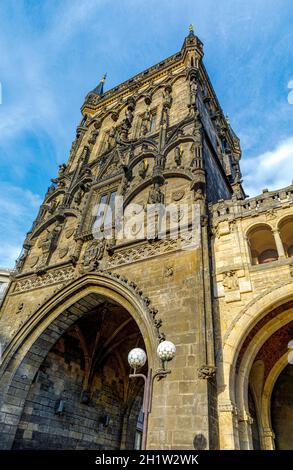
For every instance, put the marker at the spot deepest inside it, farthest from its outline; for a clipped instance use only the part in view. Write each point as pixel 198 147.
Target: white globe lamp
pixel 166 351
pixel 137 358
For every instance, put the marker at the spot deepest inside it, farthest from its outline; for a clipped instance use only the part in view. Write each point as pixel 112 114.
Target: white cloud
pixel 8 254
pixel 272 169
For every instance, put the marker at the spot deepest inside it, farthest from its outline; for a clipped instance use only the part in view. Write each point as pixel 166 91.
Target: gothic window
pixel 286 233
pixel 104 217
pixel 262 244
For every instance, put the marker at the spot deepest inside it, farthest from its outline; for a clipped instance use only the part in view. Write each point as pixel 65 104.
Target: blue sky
pixel 53 52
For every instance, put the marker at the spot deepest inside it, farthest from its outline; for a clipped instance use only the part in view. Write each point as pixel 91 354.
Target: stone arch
pixel 285 229
pixel 31 344
pixel 261 243
pixel 267 433
pixel 233 341
pixel 174 142
pixel 243 374
pixel 282 409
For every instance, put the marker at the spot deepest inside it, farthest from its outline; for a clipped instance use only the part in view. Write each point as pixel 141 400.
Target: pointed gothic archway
pixel 60 337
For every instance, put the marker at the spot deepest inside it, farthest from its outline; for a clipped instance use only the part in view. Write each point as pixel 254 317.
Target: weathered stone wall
pixel 80 426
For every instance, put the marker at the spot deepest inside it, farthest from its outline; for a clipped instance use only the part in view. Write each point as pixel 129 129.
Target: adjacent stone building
pixel 92 283
pixel 4 281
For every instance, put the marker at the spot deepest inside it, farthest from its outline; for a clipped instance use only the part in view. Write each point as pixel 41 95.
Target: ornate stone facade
pixel 81 295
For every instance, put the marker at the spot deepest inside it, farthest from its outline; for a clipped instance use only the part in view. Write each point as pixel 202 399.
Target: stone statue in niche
pixel 49 242
pixel 193 91
pixel 230 280
pixel 129 115
pixel 52 206
pixel 167 98
pixel 199 196
pixel 178 156
pixel 156 196
pixel 78 196
pixel 111 138
pixel 143 168
pixel 145 123
pixel 93 137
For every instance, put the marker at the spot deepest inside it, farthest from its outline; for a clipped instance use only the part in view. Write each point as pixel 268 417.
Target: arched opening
pixel 81 396
pixel 282 409
pixel 72 326
pixel 262 245
pixel 286 234
pixel 259 360
pixel 250 329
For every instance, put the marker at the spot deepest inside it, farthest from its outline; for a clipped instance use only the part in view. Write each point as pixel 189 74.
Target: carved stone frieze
pixel 145 250
pixel 56 276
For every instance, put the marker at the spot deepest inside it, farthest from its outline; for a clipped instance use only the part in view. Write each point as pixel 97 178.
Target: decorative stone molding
pixel 52 277
pixel 206 372
pixel 142 251
pixel 245 417
pixel 268 433
pixel 266 203
pixel 228 407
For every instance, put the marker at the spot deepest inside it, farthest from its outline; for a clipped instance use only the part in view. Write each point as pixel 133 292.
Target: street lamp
pixel 137 359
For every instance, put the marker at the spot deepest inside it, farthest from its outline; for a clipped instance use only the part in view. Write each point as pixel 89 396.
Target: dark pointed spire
pixel 191 40
pixel 99 90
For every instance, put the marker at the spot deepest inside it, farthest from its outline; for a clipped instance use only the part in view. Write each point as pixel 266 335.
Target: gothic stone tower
pixel 77 302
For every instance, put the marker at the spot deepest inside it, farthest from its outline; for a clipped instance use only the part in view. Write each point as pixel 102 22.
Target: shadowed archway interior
pixel 81 397
pixel 282 409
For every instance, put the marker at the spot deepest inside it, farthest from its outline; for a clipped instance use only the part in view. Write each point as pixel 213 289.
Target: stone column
pixel 279 244
pixel 228 426
pixel 268 439
pixel 245 431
